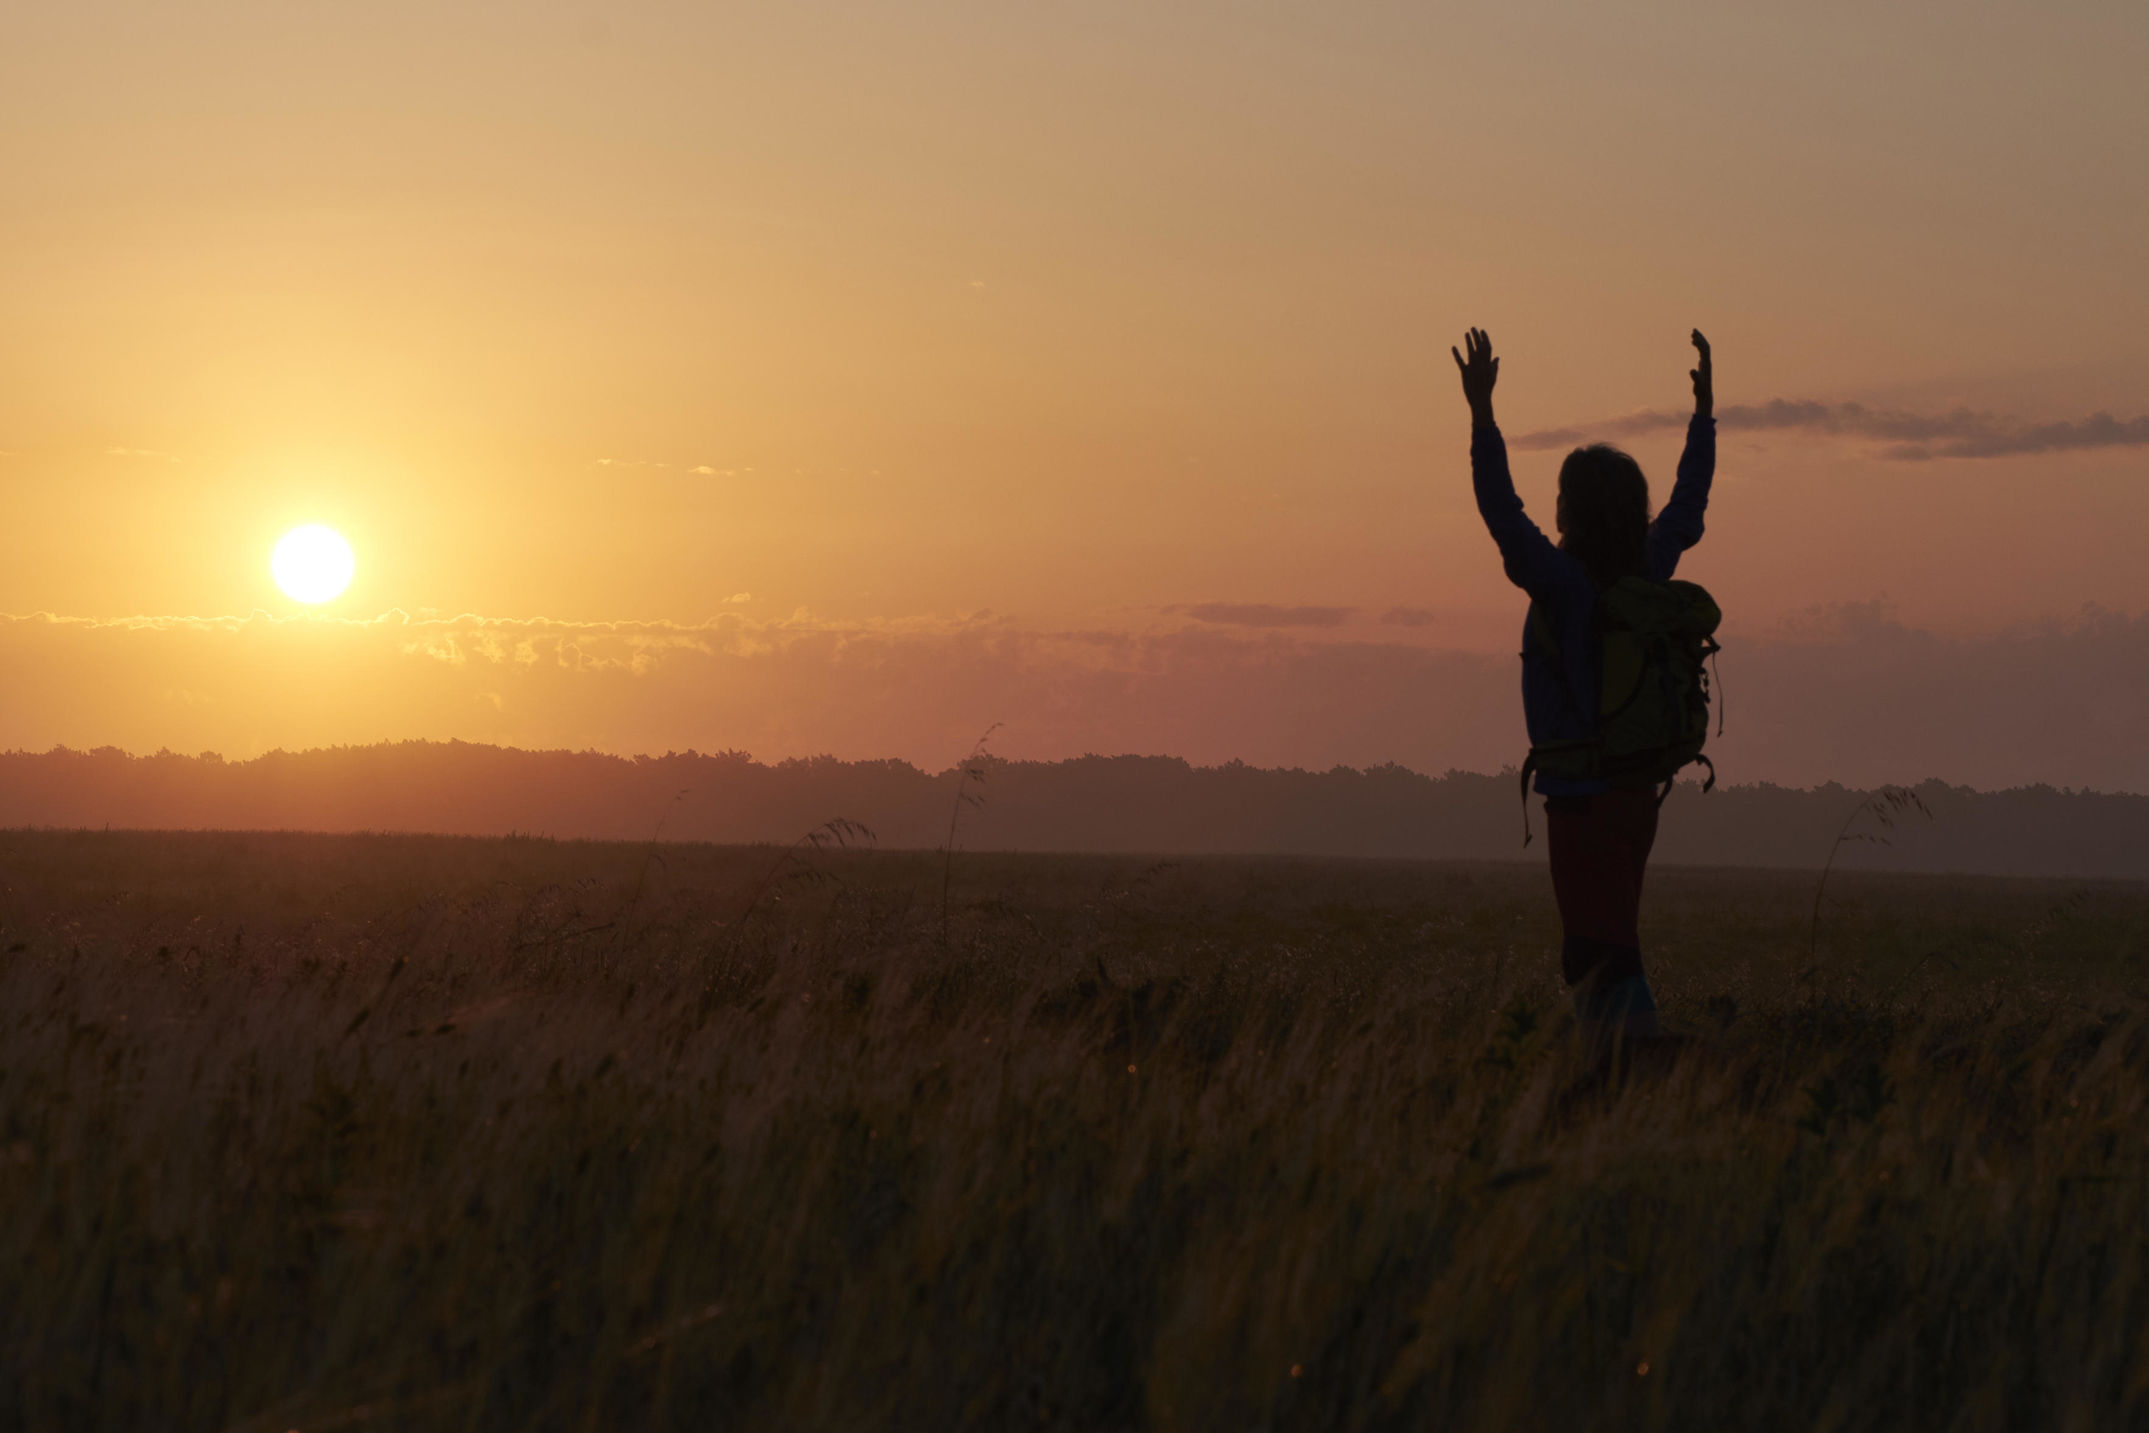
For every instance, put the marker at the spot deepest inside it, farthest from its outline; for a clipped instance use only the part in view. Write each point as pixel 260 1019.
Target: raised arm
pixel 1679 526
pixel 1532 562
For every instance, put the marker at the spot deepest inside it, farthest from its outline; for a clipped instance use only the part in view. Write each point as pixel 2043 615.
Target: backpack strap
pixel 1540 627
pixel 1672 780
pixel 1529 766
pixel 1716 690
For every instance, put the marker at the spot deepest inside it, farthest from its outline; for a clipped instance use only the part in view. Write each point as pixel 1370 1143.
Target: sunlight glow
pixel 312 564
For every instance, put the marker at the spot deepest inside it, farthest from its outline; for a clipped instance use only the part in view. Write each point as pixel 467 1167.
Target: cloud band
pixel 1910 437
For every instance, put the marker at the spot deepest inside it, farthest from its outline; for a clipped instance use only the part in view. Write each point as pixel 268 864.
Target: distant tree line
pixel 1089 803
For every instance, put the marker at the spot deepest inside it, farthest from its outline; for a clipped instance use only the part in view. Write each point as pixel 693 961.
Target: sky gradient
pixel 1079 367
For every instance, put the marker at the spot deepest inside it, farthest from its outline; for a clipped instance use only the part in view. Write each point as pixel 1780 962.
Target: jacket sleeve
pixel 1529 556
pixel 1679 526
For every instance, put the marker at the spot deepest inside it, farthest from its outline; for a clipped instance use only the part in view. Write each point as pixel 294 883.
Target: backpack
pixel 1652 713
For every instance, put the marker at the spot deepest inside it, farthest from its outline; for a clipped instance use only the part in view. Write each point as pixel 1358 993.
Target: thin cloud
pixel 1911 437
pixel 1263 614
pixel 700 470
pixel 801 622
pixel 152 453
pixel 1409 617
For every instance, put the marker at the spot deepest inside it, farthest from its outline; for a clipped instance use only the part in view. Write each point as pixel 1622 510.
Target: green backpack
pixel 1653 697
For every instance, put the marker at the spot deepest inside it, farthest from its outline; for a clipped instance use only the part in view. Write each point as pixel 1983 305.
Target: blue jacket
pixel 1563 591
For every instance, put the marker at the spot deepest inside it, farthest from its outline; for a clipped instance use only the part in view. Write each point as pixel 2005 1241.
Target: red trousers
pixel 1599 847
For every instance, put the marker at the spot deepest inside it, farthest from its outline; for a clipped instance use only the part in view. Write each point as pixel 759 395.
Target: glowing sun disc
pixel 312 564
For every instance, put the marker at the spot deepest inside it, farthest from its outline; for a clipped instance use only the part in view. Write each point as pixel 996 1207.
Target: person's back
pixel 1599 829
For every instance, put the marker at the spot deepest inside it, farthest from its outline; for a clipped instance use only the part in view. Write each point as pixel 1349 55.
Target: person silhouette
pixel 1598 831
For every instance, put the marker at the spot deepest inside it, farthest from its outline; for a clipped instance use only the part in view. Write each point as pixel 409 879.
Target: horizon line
pixel 737 757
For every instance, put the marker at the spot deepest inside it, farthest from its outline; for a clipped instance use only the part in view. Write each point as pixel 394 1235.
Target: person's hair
pixel 1604 513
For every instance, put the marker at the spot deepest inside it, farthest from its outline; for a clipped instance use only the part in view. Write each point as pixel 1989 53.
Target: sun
pixel 312 564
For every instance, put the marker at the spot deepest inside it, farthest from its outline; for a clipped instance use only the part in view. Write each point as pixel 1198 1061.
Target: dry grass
pixel 302 1132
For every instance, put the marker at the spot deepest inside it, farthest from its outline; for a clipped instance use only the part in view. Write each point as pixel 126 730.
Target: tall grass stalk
pixel 1882 809
pixel 969 791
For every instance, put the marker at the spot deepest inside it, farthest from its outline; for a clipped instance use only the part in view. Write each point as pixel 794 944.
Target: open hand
pixel 1481 370
pixel 1704 380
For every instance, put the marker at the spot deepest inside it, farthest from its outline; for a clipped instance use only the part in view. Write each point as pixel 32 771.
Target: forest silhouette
pixel 1153 804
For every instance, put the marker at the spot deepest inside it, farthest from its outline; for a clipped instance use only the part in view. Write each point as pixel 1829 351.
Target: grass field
pixel 379 1132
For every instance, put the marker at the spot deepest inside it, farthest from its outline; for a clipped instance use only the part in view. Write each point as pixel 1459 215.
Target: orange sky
pixel 1097 318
